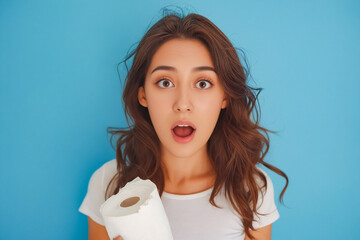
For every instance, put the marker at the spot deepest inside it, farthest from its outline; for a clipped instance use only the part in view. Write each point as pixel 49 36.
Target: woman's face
pixel 183 95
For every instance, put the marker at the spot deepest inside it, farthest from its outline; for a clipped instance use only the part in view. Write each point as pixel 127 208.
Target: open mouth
pixel 183 133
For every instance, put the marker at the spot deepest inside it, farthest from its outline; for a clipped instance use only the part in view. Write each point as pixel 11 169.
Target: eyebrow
pixel 196 69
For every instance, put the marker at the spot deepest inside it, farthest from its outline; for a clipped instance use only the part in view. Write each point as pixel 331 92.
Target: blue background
pixel 59 91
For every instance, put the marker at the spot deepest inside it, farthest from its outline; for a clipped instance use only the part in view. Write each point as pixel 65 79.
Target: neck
pixel 182 171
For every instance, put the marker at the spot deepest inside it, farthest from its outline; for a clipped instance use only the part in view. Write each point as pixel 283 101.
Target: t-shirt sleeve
pixel 266 206
pixel 95 195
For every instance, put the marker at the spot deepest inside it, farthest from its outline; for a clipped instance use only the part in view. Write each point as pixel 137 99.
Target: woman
pixel 194 132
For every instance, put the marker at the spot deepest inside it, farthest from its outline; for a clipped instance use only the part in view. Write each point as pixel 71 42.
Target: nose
pixel 183 101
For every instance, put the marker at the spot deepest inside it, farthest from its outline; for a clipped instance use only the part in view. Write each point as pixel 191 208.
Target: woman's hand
pixel 97 231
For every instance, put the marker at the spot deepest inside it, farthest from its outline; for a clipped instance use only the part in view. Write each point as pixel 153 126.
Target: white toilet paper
pixel 136 213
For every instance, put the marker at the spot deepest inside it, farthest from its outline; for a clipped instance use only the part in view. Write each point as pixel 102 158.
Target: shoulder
pixel 95 195
pixel 267 194
pixel 266 206
pixel 109 166
pixel 102 176
pixel 268 179
pixel 109 169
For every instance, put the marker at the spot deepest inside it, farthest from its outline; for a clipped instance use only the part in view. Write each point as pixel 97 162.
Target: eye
pixel 164 83
pixel 203 84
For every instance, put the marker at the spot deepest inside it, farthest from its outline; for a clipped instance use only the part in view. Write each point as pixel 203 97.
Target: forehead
pixel 182 53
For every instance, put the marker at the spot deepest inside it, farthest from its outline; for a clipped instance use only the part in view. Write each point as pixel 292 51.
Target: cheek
pixel 210 104
pixel 208 110
pixel 158 108
pixel 211 117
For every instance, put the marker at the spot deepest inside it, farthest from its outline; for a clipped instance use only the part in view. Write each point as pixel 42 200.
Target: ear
pixel 142 97
pixel 224 103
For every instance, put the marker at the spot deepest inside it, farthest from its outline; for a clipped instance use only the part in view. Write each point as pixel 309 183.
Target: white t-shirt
pixel 190 216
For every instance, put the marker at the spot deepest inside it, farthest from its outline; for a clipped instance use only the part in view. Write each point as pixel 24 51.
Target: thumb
pixel 118 238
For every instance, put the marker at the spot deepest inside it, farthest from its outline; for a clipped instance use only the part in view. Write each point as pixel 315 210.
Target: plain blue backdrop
pixel 59 91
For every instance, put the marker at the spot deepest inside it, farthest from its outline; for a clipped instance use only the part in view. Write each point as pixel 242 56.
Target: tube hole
pixel 129 202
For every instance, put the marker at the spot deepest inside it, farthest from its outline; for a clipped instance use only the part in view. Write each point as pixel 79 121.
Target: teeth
pixel 183 125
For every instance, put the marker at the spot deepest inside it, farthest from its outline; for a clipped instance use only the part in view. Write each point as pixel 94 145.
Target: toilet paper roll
pixel 136 213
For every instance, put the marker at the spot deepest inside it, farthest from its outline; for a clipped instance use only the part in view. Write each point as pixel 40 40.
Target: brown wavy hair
pixel 237 144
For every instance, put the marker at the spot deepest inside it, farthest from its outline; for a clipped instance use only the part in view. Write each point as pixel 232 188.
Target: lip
pixel 183 122
pixel 183 139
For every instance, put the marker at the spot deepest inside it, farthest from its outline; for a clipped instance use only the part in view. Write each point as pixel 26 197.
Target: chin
pixel 183 152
